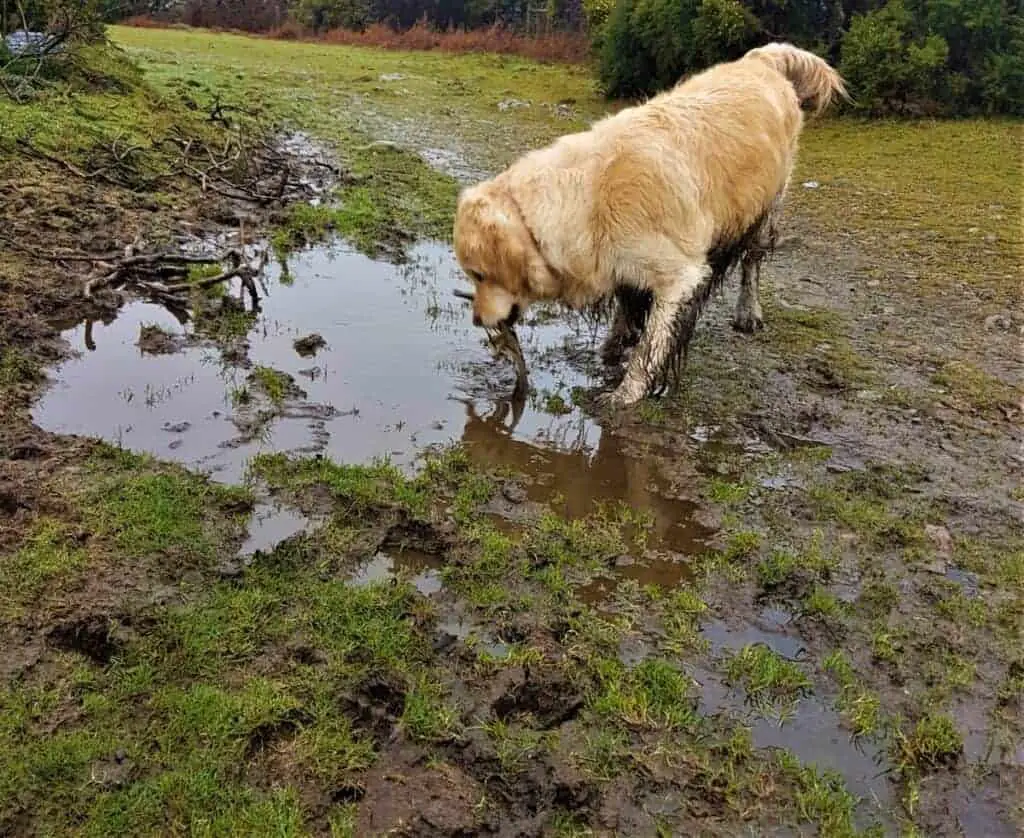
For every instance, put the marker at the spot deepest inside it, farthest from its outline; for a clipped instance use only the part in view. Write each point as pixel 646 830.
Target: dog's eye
pixel 473 275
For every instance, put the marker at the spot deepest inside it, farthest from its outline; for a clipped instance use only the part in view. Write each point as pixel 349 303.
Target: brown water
pixel 402 370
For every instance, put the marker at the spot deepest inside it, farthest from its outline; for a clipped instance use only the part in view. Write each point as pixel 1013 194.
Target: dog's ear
pixel 491 238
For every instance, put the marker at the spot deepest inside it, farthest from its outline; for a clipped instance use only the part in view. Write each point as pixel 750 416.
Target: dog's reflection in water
pixel 581 478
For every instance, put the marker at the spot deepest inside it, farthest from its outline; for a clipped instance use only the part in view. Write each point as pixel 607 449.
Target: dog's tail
pixel 816 83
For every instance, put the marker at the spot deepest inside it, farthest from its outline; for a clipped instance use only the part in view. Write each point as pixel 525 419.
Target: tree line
pixel 914 57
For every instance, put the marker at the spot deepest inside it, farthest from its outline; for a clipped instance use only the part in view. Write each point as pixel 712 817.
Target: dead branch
pixel 147 270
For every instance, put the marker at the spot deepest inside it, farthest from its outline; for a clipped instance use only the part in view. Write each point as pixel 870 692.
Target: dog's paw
pixel 748 323
pixel 619 398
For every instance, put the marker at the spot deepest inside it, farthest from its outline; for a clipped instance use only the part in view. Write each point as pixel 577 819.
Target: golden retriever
pixel 650 207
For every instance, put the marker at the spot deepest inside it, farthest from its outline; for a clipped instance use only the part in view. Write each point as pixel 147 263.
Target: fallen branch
pixel 128 267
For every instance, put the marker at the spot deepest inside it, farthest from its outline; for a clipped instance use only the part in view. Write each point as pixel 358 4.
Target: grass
pixel 653 695
pixel 902 186
pixel 796 573
pixel 48 557
pixel 932 742
pixel 861 708
pixel 128 505
pixel 230 704
pixel 768 678
pixel 176 514
pixel 274 384
pixel 969 386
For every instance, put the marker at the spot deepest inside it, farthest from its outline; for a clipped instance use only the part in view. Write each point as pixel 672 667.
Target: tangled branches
pixel 150 273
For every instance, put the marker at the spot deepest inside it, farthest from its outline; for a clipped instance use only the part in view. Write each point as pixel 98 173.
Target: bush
pixel 724 30
pixel 889 70
pixel 321 15
pixel 899 56
pixel 649 45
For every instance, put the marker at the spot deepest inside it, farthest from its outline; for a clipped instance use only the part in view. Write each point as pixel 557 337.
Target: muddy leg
pixel 748 316
pixel 631 309
pixel 661 336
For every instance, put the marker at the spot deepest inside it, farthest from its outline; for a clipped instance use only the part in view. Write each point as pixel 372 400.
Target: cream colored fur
pixel 642 197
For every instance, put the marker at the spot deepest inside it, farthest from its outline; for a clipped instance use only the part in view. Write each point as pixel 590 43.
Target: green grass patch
pixel 971 387
pixel 768 678
pixel 934 741
pixel 797 573
pixel 820 335
pixel 654 694
pixel 274 384
pixel 909 188
pixel 48 559
pixel 170 512
pixel 355 488
pixel 861 708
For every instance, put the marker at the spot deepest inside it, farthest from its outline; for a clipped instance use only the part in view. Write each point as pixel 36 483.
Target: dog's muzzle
pixel 508 322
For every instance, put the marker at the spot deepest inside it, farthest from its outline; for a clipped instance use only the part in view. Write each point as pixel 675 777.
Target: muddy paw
pixel 619 398
pixel 747 323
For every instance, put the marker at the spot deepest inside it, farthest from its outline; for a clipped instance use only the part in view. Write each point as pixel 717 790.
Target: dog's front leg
pixel 632 307
pixel 660 338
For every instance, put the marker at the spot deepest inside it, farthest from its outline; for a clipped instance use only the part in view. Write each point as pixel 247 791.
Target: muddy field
pixel 292 562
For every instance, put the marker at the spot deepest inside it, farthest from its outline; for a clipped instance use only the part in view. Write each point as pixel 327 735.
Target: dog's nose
pixel 477 321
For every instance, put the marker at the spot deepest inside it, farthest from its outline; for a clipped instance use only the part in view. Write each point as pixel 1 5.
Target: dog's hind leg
pixel 759 243
pixel 632 306
pixel 660 338
pixel 749 317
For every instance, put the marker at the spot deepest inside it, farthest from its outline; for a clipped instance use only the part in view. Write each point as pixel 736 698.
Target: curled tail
pixel 816 83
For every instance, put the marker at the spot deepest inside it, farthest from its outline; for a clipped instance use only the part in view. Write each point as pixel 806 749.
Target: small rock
pixel 1001 322
pixel 625 561
pixel 391 77
pixel 177 427
pixel 940 537
pixel 309 345
pixel 176 444
pixel 513 493
pixel 229 570
pixel 512 104
pixel 811 184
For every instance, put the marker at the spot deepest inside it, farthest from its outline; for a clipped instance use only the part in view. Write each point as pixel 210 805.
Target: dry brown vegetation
pixel 562 47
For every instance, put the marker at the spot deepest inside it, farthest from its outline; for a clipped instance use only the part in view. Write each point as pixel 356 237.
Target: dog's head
pixel 498 253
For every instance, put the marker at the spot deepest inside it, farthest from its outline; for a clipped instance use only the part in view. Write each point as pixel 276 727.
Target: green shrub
pixel 887 67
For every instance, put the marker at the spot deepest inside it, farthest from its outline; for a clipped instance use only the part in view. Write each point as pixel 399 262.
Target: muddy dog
pixel 651 208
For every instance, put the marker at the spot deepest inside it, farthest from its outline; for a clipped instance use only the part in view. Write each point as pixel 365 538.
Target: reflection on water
pixel 401 368
pixel 400 362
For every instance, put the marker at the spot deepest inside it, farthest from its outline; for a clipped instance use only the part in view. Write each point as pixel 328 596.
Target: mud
pixel 357 359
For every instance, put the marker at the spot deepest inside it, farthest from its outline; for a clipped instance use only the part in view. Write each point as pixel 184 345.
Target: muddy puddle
pixel 400 368
pixel 390 367
pixel 811 729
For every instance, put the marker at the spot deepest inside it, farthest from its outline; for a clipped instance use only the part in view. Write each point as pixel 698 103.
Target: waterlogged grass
pixel 249 690
pixel 769 679
pixel 230 709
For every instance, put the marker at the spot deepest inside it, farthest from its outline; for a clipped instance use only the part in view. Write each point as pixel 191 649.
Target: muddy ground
pixel 785 601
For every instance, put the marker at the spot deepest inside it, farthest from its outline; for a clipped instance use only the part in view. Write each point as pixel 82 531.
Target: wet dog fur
pixel 648 210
